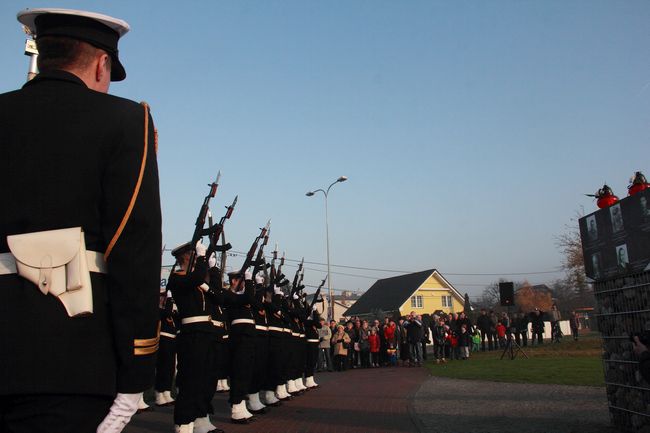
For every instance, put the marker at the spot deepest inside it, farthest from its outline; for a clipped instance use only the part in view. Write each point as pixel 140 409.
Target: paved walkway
pixel 357 401
pixel 470 406
pixel 392 400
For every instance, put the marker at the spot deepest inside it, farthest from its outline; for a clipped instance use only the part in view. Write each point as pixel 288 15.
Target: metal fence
pixel 623 308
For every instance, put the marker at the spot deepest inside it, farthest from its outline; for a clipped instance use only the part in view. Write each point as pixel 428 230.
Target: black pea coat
pixel 71 157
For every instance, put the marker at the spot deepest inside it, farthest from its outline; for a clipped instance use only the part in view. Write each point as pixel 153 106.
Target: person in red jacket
pixel 501 333
pixel 391 343
pixel 374 341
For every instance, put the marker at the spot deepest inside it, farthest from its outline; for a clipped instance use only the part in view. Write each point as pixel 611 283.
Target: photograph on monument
pixel 617 218
pixel 592 228
pixel 622 259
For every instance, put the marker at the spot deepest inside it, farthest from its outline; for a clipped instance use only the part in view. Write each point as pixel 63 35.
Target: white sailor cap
pixel 101 31
pixel 181 249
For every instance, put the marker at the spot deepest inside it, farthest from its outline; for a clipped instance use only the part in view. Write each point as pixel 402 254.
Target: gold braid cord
pixel 136 191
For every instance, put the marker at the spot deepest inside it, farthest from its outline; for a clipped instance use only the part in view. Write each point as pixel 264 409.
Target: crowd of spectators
pixel 361 343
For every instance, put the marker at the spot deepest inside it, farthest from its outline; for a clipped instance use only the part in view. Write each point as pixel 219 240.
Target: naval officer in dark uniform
pixel 195 344
pixel 79 332
pixel 166 363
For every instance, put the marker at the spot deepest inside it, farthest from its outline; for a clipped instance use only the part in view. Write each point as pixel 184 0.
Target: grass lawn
pixel 565 363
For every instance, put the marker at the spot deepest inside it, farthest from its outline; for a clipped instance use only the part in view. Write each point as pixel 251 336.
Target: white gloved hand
pixel 259 278
pixel 204 287
pixel 248 276
pixel 277 290
pixel 120 413
pixel 200 248
pixel 212 261
pixel 314 308
pixel 295 296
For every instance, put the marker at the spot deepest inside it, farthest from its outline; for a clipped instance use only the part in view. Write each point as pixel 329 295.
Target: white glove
pixel 295 296
pixel 248 276
pixel 120 413
pixel 200 249
pixel 277 290
pixel 259 278
pixel 204 287
pixel 314 308
pixel 212 261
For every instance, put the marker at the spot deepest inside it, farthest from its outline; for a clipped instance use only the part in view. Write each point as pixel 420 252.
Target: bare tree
pixel 575 280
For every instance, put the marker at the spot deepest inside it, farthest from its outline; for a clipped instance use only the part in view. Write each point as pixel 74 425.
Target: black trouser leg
pixel 311 359
pixel 274 366
pixel 242 357
pixel 285 357
pixel 53 413
pixel 259 363
pixel 165 364
pixel 195 373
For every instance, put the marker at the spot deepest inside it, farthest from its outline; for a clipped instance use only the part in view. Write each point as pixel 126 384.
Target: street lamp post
pixel 327 241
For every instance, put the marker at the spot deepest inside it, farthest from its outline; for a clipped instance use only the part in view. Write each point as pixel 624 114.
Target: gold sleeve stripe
pixel 145 350
pixel 139 342
pixel 147 342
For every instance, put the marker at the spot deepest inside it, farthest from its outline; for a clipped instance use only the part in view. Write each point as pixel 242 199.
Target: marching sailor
pixel 194 343
pixel 242 338
pixel 166 362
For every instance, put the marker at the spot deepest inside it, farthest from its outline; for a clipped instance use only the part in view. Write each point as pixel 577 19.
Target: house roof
pixel 538 288
pixel 389 294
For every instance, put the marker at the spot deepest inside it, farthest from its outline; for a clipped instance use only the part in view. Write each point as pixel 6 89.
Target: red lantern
pixel 638 183
pixel 605 197
pixel 606 201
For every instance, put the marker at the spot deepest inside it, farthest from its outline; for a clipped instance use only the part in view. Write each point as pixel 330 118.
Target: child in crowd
pixel 464 342
pixel 373 339
pixel 392 355
pixel 453 342
pixel 476 340
pixel 501 333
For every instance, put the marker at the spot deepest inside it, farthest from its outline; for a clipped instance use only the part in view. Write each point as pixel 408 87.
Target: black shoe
pixel 258 412
pixel 240 421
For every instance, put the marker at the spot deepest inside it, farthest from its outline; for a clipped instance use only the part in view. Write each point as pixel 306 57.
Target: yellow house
pixel 423 292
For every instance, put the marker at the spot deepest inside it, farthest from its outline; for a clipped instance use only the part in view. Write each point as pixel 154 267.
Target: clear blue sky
pixel 469 130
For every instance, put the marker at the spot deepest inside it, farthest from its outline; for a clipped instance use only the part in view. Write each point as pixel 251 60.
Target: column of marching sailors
pixel 248 339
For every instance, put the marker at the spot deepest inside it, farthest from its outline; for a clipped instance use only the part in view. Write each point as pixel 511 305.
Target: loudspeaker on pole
pixel 507 294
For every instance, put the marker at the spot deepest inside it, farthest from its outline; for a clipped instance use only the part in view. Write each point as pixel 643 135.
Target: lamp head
pixel 342 179
pixel 310 193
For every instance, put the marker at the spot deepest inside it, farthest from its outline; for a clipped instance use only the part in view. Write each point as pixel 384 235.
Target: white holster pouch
pixel 56 261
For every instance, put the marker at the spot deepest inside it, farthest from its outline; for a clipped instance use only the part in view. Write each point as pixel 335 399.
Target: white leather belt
pixel 218 324
pixel 275 328
pixel 195 319
pixel 225 336
pixel 242 321
pixel 261 328
pixel 313 340
pixel 287 330
pixel 295 334
pixel 96 263
pixel 301 335
pixel 167 334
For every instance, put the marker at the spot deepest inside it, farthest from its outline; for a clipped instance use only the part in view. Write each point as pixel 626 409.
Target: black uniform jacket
pixel 72 157
pixel 240 307
pixel 191 300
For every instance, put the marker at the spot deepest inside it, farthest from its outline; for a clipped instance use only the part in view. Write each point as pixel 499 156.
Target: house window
pixel 446 301
pixel 416 301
